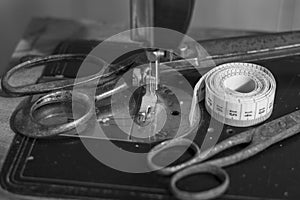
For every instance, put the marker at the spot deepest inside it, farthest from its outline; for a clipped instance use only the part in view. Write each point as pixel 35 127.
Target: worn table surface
pixel 42 36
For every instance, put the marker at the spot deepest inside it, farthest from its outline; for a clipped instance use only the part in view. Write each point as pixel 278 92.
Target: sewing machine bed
pixel 63 168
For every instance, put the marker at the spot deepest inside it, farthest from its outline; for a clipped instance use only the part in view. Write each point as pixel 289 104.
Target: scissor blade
pixel 263 136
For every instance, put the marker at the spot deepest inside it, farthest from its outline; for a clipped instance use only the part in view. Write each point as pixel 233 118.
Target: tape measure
pixel 237 94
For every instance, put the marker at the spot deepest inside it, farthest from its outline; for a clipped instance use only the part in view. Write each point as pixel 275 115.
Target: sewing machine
pixel 62 167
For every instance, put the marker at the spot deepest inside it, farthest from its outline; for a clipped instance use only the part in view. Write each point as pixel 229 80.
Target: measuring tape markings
pixel 237 94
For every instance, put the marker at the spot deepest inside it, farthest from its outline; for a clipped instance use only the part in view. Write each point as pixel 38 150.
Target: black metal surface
pixel 173 14
pixel 62 167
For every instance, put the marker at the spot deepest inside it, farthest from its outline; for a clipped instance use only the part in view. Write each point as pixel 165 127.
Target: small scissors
pixel 258 139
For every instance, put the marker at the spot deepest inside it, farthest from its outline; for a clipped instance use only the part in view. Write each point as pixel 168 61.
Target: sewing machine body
pixel 45 165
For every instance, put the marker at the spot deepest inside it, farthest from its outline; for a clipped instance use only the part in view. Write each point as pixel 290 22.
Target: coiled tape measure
pixel 237 94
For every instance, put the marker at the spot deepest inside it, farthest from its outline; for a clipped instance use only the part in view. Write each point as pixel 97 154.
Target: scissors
pixel 258 139
pixel 60 91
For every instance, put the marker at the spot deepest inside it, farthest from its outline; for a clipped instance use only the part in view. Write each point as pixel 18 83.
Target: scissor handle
pixel 199 156
pixel 218 172
pixel 163 146
pixel 38 88
pixel 24 122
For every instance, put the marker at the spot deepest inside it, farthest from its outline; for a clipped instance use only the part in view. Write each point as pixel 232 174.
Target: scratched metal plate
pixel 172 118
pixel 42 167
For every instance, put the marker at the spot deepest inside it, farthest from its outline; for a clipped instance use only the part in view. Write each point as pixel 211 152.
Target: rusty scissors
pixel 258 139
pixel 60 91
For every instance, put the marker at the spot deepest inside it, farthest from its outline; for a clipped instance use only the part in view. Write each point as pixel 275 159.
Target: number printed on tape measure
pixel 219 105
pixel 248 112
pixel 261 108
pixel 233 111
